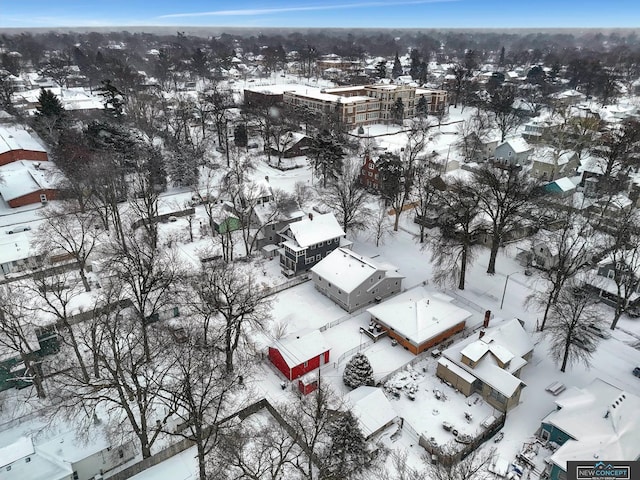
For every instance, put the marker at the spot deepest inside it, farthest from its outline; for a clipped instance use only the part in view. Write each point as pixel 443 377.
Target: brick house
pixel 369 174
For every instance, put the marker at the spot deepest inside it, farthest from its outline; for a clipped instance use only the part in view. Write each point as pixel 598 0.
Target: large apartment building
pixel 354 105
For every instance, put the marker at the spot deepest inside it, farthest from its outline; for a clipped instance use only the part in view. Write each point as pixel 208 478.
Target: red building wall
pixel 296 371
pixel 32 198
pixel 15 155
pixel 369 174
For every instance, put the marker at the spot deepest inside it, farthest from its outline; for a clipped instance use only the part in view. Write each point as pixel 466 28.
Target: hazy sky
pixel 319 13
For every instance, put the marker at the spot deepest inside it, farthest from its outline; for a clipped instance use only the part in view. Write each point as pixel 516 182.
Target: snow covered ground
pixel 303 307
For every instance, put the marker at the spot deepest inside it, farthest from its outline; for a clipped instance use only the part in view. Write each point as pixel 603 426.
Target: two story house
pixel 549 165
pixel 514 151
pixel 306 242
pixel 618 269
pixel 369 174
pixel 489 364
pixel 353 281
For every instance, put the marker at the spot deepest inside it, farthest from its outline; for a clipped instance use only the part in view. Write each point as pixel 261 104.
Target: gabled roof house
pixel 299 353
pixel 354 281
pixel 489 364
pixel 306 242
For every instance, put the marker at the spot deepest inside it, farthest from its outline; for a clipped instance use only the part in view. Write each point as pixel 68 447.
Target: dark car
pixel 636 371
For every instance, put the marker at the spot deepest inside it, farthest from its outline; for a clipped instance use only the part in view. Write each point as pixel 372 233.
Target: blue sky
pixel 323 13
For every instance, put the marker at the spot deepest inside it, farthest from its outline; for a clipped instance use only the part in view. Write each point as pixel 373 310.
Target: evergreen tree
pixel 347 455
pixel 358 371
pixel 397 111
pixel 240 135
pixel 501 60
pixel 415 64
pixel 112 98
pixel 50 116
pixel 422 108
pixel 49 105
pixel 396 71
pixel 381 69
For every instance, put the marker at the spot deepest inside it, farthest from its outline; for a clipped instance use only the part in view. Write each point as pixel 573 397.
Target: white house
pixel 36 450
pixel 353 281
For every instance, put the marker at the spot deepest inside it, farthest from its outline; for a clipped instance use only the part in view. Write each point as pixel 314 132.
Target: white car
pixel 19 228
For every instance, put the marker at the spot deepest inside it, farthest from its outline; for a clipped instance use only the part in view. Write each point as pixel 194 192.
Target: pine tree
pixel 422 108
pixel 396 71
pixel 358 372
pixel 347 454
pixel 49 105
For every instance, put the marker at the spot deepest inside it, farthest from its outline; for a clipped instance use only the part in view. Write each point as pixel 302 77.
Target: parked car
pixel 600 332
pixel 19 228
pixel 636 371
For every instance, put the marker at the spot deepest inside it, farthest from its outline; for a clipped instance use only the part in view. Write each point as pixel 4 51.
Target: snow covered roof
pixel 21 448
pixel 547 155
pixel 601 418
pixel 419 315
pixel 507 342
pixel 517 144
pixel 371 407
pixel 300 347
pixel 511 335
pixel 16 138
pixel 564 184
pixel 347 270
pixel 453 367
pixel 24 177
pixel 315 229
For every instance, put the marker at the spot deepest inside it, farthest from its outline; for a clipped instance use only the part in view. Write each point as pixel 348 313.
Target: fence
pixel 185 443
pixel 451 457
pixel 348 353
pixel 289 284
pixel 164 217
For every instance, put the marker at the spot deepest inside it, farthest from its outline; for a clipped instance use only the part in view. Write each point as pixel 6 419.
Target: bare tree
pixel 396 182
pixel 126 389
pixel 504 194
pixel 53 296
pixel 381 226
pixel 472 467
pixel 346 197
pixel 453 245
pixel 570 339
pixel 256 449
pixel 68 232
pixel 199 390
pixel 18 333
pixel 427 185
pixel 624 256
pixel 147 276
pixel 572 245
pixel 231 290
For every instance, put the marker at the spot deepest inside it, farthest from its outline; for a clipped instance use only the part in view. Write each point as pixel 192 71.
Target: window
pixel 121 453
pixel 43 197
pixel 370 165
pixel 75 476
pixel 371 174
pixel 497 396
pixel 306 364
pixel 321 244
pixel 318 257
pixel 545 435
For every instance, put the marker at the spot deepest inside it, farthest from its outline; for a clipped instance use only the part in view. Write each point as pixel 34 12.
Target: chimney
pixel 481 334
pixel 487 317
pixel 310 216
